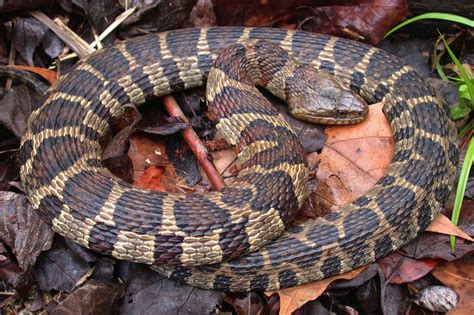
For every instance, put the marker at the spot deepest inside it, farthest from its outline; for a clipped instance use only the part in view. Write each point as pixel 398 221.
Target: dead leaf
pixel 27 35
pixel 151 178
pixel 182 159
pixel 458 275
pixel 19 225
pixel 144 151
pixel 119 143
pixel 246 303
pixel 17 105
pixel 149 293
pixel 353 159
pixel 59 268
pixel 443 225
pixel 202 14
pixel 100 12
pixel 311 136
pixel 13 275
pixel 174 125
pixel 22 5
pixel 94 297
pixel 366 20
pixel 48 75
pixel 154 16
pixel 401 269
pixel 434 245
pixel 293 298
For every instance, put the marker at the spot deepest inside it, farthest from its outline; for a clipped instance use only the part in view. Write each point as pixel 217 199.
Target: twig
pixel 74 41
pixel 96 38
pixel 11 61
pixel 118 20
pixel 195 144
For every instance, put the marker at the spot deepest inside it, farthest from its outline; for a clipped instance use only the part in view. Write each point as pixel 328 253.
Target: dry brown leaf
pixel 145 150
pixel 49 75
pixel 401 269
pixel 151 178
pixel 459 276
pixel 362 20
pixel 443 225
pixel 353 159
pixel 223 159
pixel 293 298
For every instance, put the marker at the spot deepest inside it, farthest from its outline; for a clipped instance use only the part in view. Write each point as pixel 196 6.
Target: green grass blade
pixel 466 167
pixel 466 129
pixel 459 111
pixel 439 68
pixel 462 71
pixel 435 16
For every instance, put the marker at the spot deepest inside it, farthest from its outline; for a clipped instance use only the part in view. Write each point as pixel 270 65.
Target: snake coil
pixel 66 183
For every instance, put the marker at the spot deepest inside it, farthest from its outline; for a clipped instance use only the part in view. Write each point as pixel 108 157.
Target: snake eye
pixel 340 112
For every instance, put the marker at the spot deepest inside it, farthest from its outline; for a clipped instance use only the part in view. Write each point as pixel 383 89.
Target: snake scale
pixel 66 183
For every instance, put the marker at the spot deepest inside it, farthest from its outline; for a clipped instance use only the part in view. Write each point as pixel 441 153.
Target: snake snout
pixel 351 106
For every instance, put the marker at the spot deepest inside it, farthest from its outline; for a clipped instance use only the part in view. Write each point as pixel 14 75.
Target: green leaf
pixel 435 16
pixel 464 93
pixel 460 111
pixel 466 167
pixel 462 71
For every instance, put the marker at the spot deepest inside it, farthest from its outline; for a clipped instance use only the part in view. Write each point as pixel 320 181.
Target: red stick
pixel 191 138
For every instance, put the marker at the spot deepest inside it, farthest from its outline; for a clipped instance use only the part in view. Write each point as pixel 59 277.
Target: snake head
pixel 318 97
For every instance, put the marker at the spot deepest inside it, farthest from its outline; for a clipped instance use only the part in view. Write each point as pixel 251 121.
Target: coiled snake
pixel 65 181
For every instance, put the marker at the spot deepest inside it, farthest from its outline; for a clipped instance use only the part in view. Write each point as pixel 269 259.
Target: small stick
pixel 118 21
pixel 195 144
pixel 76 43
pixel 11 61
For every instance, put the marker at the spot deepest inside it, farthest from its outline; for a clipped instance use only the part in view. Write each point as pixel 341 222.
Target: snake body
pixel 65 181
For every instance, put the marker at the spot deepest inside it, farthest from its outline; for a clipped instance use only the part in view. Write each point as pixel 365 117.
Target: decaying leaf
pixel 149 293
pixel 151 166
pixel 17 105
pixel 94 297
pixel 437 245
pixel 246 303
pixel 401 269
pixel 156 16
pixel 60 269
pixel 444 226
pixel 293 298
pixel 119 143
pixel 183 160
pixel 202 14
pixel 151 178
pixel 353 159
pixel 458 275
pixel 433 245
pixel 366 20
pixel 27 34
pixel 22 229
pixel 48 75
